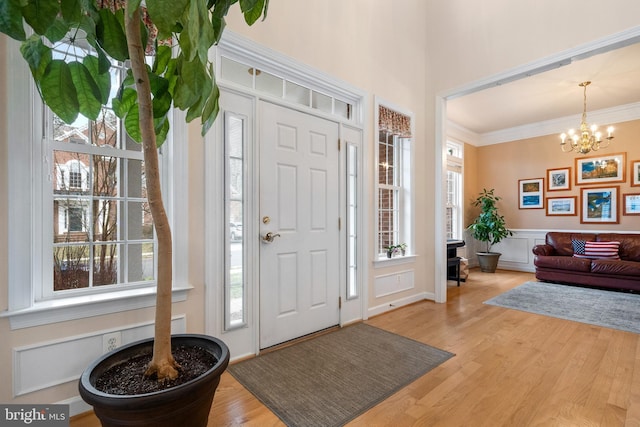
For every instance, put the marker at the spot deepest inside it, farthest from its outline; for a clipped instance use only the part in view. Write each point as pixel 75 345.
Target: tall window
pixel 454 190
pixel 102 230
pixel 394 180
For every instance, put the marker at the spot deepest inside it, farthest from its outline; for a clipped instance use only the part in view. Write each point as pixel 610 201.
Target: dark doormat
pixel 331 379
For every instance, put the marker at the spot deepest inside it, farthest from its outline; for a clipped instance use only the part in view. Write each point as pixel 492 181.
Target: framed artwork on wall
pixel 565 206
pixel 635 173
pixel 631 204
pixel 600 169
pixel 558 179
pixel 599 205
pixel 531 193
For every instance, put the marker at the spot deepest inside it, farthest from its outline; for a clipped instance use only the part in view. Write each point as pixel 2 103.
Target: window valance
pixel 394 122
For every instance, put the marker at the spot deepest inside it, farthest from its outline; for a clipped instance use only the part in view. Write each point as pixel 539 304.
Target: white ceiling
pixel 615 81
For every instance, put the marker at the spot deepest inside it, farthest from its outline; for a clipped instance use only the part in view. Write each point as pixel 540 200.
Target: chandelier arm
pixel 562 146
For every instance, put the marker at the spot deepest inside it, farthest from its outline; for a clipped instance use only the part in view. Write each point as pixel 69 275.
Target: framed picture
pixel 631 204
pixel 558 179
pixel 599 205
pixel 531 193
pixel 635 173
pixel 561 206
pixel 600 169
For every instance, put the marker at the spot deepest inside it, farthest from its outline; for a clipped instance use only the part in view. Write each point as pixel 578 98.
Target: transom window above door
pixel 280 87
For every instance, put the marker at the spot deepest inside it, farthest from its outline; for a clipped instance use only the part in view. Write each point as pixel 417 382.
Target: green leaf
pixel 59 92
pixel 104 64
pixel 57 31
pixel 162 130
pixel 221 7
pixel 166 14
pixel 132 123
pixel 191 75
pixel 218 25
pixel 252 10
pixel 125 100
pixel 87 90
pixel 211 109
pixel 162 105
pixel 40 14
pixel 188 52
pixel 110 34
pixel 37 55
pixel 102 80
pixel 163 55
pixel 88 25
pixel 171 74
pixel 11 19
pixel 71 10
pixel 159 85
pixel 199 29
pixel 196 109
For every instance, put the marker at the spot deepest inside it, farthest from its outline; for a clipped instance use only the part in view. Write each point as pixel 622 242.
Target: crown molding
pixel 619 114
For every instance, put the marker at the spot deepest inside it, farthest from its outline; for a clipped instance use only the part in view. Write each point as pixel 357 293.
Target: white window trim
pixel 25 229
pixel 407 212
pixel 454 163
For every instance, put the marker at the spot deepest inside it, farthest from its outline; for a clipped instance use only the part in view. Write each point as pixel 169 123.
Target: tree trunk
pixel 162 363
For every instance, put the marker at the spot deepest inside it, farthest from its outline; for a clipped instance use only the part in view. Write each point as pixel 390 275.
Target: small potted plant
pixel 403 248
pixel 391 249
pixel 488 227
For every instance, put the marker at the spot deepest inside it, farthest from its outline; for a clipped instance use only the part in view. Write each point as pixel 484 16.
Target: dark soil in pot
pixel 173 405
pixel 128 377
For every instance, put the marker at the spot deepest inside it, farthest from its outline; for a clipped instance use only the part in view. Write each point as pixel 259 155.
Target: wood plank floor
pixel 511 369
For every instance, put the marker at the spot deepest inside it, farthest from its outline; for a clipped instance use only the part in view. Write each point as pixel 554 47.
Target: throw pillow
pixel 578 246
pixel 600 250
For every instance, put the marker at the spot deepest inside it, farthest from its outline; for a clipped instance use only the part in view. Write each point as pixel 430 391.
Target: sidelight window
pixel 235 276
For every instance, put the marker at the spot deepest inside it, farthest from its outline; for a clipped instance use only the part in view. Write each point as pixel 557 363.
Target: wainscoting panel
pixel 516 250
pixel 393 283
pixel 32 364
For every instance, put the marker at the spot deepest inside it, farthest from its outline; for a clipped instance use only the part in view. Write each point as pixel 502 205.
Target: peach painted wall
pixel 500 166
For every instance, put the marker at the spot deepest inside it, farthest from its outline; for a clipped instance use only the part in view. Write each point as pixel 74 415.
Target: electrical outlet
pixel 111 341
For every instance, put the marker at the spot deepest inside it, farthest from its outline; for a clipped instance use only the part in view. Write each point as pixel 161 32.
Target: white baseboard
pixel 383 308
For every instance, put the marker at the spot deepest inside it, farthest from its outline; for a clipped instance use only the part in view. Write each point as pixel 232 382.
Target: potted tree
pixel 176 35
pixel 488 227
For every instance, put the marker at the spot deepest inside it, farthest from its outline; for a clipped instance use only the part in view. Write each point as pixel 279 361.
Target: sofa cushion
pixel 629 244
pixel 561 241
pixel 600 250
pixel 615 268
pixel 563 263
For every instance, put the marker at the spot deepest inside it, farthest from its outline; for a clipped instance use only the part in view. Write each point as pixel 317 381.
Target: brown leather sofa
pixel 554 261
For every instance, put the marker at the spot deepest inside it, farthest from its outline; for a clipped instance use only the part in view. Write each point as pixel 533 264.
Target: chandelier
pixel 588 138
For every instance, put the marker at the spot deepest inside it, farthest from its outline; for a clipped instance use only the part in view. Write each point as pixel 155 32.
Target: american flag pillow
pixel 578 246
pixel 600 250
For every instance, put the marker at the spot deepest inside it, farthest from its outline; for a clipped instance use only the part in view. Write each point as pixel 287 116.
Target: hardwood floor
pixel 511 369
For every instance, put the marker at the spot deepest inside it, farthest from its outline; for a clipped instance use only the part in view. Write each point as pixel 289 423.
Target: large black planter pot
pixel 488 261
pixel 185 405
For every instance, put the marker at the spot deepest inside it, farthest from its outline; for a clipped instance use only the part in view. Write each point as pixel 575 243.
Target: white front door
pixel 299 205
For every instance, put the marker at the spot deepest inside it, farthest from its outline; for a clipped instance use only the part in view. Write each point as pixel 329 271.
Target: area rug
pixel 610 309
pixel 333 378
